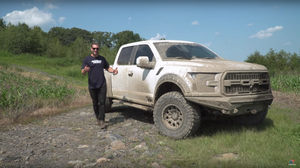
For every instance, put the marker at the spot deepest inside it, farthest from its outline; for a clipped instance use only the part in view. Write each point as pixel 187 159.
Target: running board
pixel 139 106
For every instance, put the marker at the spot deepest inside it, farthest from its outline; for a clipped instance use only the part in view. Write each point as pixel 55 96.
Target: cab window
pixel 124 57
pixel 144 50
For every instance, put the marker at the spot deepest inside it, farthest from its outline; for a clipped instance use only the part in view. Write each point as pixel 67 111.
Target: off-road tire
pixel 108 104
pixel 175 117
pixel 250 119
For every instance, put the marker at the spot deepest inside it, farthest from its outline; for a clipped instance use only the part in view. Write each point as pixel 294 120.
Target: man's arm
pixel 114 71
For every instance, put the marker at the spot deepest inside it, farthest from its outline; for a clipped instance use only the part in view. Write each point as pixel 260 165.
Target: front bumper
pixel 236 105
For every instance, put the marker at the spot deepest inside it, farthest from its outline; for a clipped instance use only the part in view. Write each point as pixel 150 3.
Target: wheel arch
pixel 171 82
pixel 108 84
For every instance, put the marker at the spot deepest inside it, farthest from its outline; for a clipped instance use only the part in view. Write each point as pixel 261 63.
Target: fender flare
pixel 172 78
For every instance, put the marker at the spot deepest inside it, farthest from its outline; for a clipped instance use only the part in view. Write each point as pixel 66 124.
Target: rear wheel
pixel 250 119
pixel 108 103
pixel 175 117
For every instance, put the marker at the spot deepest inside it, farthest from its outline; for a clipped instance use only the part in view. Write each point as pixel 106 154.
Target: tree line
pixel 61 42
pixel 281 62
pixel 75 43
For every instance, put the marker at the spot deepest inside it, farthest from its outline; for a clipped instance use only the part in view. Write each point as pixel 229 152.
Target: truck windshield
pixel 171 50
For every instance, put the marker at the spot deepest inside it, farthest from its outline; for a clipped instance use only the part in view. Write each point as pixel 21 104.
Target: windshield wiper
pixel 194 57
pixel 188 58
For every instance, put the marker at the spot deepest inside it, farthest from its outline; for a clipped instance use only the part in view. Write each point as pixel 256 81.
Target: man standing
pixel 94 65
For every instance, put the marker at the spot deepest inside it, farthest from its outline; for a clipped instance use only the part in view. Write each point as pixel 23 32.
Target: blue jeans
pixel 98 97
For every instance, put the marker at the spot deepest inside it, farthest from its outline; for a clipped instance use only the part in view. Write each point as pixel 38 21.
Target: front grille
pixel 240 76
pixel 246 83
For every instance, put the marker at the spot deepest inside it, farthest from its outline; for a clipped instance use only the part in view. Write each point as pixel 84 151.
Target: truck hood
pixel 215 65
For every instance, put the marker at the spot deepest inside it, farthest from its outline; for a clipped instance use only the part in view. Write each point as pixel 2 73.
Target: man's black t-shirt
pixel 96 73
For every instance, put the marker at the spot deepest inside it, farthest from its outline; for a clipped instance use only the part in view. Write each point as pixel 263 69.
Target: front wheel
pixel 250 119
pixel 175 117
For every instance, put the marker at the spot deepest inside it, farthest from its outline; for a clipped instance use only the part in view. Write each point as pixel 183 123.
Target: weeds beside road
pixel 27 95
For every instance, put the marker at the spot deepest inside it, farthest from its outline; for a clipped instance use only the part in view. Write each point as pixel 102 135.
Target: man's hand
pixel 85 69
pixel 115 71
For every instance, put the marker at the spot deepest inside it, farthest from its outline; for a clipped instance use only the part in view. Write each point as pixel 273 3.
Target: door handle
pixel 130 73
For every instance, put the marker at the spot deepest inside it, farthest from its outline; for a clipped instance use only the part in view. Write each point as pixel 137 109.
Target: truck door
pixel 119 82
pixel 141 80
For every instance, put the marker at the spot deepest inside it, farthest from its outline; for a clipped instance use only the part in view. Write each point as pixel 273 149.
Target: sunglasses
pixel 95 48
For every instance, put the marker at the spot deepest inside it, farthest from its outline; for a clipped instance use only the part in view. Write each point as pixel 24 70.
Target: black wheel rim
pixel 172 117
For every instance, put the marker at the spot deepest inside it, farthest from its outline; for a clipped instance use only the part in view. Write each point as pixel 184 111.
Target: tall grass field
pixel 286 83
pixel 25 96
pixel 19 94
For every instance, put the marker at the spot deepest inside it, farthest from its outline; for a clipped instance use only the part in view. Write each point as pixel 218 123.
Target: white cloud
pixel 50 6
pixel 129 18
pixel 217 33
pixel 32 17
pixel 61 20
pixel 195 22
pixel 208 44
pixel 158 37
pixel 250 24
pixel 287 43
pixel 266 33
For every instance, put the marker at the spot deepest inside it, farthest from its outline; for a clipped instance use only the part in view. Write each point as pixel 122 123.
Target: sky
pixel 234 29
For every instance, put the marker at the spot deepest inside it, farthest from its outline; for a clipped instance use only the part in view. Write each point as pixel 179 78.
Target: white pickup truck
pixel 183 82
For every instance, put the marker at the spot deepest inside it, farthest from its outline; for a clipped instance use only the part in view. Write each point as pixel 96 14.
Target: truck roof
pixel 157 41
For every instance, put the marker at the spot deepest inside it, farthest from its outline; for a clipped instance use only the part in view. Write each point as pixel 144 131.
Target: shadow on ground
pixel 127 112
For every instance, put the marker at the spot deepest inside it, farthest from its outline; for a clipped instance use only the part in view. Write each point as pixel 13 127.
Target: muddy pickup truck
pixel 183 82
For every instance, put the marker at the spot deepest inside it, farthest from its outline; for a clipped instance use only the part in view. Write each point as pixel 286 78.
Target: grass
pixel 286 83
pixel 65 67
pixel 25 96
pixel 273 143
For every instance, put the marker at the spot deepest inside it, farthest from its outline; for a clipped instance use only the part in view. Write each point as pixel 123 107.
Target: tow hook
pixel 253 111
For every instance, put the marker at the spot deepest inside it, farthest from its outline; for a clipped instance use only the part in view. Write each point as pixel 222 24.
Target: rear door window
pixel 124 58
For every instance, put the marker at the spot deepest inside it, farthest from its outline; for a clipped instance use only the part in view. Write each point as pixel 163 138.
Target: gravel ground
pixel 74 140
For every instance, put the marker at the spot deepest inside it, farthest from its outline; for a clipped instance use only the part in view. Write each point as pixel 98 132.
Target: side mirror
pixel 143 62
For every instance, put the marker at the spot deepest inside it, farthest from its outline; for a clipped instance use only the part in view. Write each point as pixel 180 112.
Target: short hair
pixel 95 44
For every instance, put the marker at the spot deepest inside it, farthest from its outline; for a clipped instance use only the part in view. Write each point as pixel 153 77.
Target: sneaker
pixel 102 124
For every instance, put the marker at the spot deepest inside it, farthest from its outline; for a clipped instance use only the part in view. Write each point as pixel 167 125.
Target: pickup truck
pixel 182 82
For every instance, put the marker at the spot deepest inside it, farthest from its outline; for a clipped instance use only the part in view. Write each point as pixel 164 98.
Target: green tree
pixel 57 32
pixel 125 37
pixel 294 62
pixel 79 49
pixel 53 48
pixel 34 40
pixel 276 62
pixel 256 58
pixel 2 34
pixel 16 38
pixel 109 53
pixel 103 38
pixel 22 39
pixel 68 36
pixel 2 24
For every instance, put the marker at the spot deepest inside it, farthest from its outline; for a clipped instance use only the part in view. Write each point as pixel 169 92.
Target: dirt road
pixel 74 140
